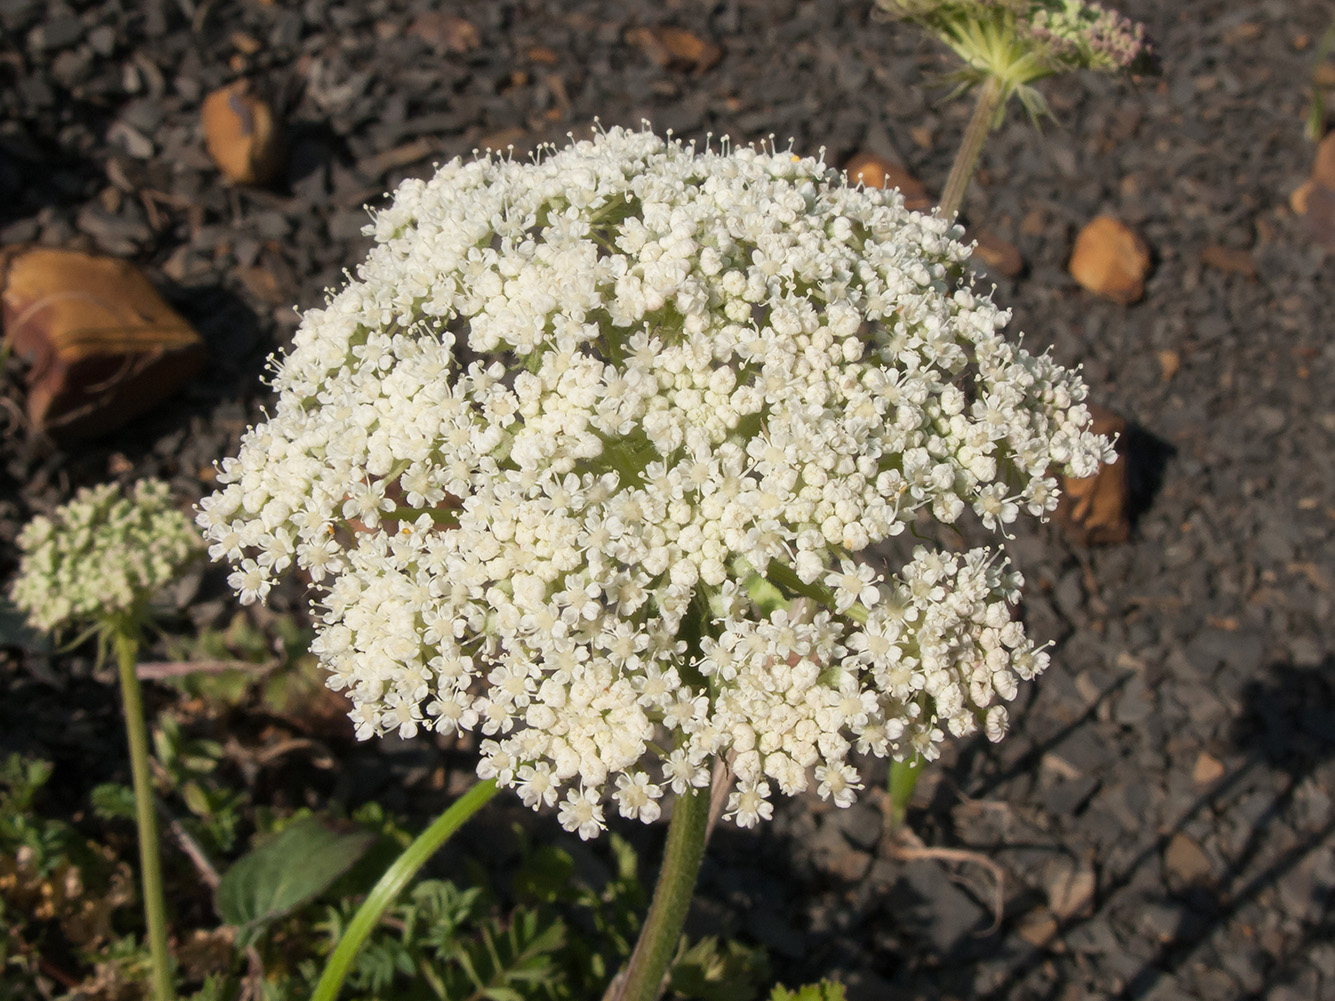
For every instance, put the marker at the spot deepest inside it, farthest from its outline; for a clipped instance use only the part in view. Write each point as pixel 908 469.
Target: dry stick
pixel 189 846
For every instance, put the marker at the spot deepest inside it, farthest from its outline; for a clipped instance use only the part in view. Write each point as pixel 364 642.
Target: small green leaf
pixel 284 873
pixel 113 801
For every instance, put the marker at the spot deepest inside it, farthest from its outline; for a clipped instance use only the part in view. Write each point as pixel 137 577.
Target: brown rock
pixel 675 48
pixel 1186 863
pixel 997 255
pixel 1070 888
pixel 877 172
pixel 1093 509
pixel 242 135
pixel 101 345
pixel 1038 927
pixel 1110 260
pixel 1169 362
pixel 1207 770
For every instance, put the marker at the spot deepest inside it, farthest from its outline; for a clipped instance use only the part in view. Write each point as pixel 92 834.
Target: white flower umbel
pixel 102 555
pixel 582 457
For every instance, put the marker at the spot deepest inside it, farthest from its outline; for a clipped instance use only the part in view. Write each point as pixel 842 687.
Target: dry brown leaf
pixel 445 32
pixel 675 48
pixel 999 256
pixel 1232 259
pixel 1094 509
pixel 1323 164
pixel 1110 260
pixel 242 135
pixel 101 345
pixel 878 172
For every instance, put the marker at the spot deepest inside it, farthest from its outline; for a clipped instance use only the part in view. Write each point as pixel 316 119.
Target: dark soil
pixel 1164 809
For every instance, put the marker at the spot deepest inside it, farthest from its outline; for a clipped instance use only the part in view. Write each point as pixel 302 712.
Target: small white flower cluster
pixel 102 555
pixel 582 458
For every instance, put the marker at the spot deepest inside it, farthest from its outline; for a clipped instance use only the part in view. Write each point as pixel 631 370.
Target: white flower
pixel 749 804
pixel 104 554
pixel 581 811
pixel 623 538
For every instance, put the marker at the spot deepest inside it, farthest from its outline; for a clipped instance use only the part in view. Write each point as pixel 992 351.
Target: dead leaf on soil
pixel 1110 260
pixel 1231 259
pixel 242 134
pixel 445 32
pixel 675 48
pixel 101 345
pixel 875 171
pixel 1093 509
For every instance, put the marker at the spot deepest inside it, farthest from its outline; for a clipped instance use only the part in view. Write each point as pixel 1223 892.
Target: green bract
pixel 1021 41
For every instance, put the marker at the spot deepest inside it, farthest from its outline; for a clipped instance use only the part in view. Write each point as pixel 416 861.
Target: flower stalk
pixel 991 99
pixel 682 855
pixel 391 884
pixel 126 641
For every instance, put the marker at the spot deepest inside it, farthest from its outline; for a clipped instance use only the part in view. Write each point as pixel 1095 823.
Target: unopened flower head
pixel 583 458
pixel 102 555
pixel 1020 41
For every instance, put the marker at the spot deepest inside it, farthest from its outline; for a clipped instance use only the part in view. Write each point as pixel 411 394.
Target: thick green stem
pixel 682 855
pixel 150 864
pixel 991 96
pixel 391 884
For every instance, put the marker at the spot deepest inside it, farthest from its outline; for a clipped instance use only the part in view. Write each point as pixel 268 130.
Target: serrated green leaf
pixel 290 870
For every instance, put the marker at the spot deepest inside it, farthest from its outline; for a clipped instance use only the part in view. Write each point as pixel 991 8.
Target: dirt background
pixel 1162 811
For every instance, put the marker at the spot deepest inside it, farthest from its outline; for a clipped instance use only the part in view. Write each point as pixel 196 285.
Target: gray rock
pixel 58 32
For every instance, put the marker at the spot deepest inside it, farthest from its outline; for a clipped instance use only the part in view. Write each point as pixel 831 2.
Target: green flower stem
pixel 391 884
pixel 991 96
pixel 682 855
pixel 903 780
pixel 155 911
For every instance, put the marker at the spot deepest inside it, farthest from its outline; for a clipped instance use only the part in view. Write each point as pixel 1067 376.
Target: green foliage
pixel 826 990
pixel 39 843
pixel 59 891
pixel 188 765
pixel 273 664
pixel 112 801
pixel 291 869
pixel 715 971
pixel 1316 113
pixel 544 928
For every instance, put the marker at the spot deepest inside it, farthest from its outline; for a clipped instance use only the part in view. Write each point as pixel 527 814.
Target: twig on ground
pixel 908 847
